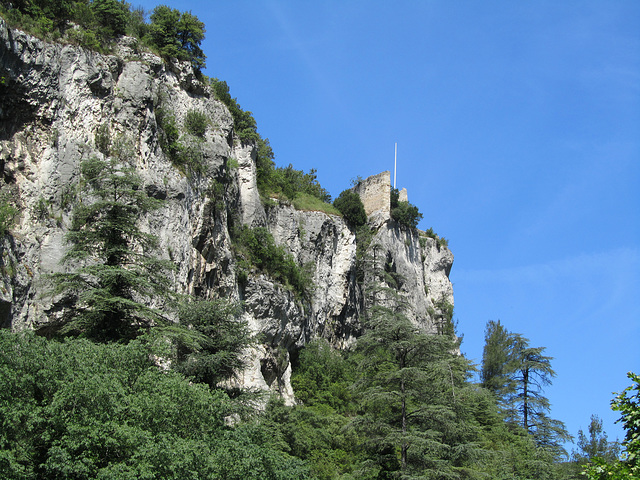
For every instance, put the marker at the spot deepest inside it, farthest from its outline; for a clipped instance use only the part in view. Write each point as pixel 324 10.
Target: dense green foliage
pixel 404 212
pixel 211 348
pixel 107 296
pixel 196 123
pixel 351 207
pixel 401 406
pixel 173 34
pixel 516 374
pixel 256 247
pixel 177 35
pixel 77 410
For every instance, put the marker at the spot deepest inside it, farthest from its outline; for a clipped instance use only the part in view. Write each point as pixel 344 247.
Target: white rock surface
pixel 54 101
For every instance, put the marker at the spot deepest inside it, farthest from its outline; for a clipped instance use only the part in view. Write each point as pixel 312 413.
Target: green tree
pixel 407 395
pixel 107 297
pixel 177 35
pixel 190 35
pixel 496 360
pixel 532 372
pixel 112 16
pixel 596 444
pixel 517 374
pixel 79 410
pixel 404 212
pixel 210 349
pixel 324 377
pixel 350 205
pixel 57 12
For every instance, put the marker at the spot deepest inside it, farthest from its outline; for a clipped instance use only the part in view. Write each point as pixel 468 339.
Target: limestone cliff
pixel 56 103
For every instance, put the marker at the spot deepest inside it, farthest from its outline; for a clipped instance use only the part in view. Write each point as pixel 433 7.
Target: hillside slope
pixel 61 104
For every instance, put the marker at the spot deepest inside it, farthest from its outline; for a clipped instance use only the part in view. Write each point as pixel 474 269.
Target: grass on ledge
pixel 309 203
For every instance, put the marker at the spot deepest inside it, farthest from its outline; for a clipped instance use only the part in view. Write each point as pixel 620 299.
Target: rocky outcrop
pixel 61 104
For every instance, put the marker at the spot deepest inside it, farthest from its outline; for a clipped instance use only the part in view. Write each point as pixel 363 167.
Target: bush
pixel 77 410
pixel 290 183
pixel 196 123
pixel 259 248
pixel 112 16
pixel 403 212
pixel 177 35
pixel 350 205
pixel 244 124
pixel 103 139
pixel 8 214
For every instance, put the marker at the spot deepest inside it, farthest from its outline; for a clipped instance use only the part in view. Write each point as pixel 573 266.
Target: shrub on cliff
pixel 177 35
pixel 350 205
pixel 258 248
pixel 404 212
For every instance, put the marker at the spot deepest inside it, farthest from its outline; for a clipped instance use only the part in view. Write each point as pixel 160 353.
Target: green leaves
pixel 258 248
pixel 177 35
pixel 110 289
pixel 404 212
pixel 628 404
pixel 81 410
pixel 350 205
pixel 211 348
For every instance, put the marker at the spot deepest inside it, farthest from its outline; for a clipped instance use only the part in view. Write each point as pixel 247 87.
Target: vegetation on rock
pixel 173 34
pixel 107 296
pixel 404 212
pixel 140 396
pixel 351 207
pixel 257 247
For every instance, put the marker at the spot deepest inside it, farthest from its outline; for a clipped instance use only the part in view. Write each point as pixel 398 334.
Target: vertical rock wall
pixel 56 100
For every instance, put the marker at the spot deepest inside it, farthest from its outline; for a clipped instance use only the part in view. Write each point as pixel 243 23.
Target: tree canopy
pixel 107 296
pixel 174 34
pixel 517 374
pixel 350 205
pixel 177 35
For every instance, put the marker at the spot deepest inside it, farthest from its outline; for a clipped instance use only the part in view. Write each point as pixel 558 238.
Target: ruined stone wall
pixel 375 193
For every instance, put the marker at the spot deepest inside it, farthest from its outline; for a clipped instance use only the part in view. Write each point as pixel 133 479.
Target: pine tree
pixel 596 445
pixel 109 293
pixel 517 374
pixel 498 364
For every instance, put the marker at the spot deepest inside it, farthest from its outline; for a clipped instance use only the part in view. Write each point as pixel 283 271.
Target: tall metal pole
pixel 395 165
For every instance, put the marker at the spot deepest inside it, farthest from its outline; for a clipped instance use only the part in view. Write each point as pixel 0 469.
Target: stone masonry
pixel 375 193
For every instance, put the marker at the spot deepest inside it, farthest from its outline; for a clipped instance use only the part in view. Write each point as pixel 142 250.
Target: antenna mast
pixel 395 165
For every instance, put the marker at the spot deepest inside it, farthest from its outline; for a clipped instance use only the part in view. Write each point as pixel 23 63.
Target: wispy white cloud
pixel 579 265
pixel 588 287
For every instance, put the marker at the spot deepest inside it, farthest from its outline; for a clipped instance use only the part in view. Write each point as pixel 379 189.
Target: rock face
pixel 60 104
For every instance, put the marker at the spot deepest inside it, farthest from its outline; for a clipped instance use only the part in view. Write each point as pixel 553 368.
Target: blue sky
pixel 518 131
